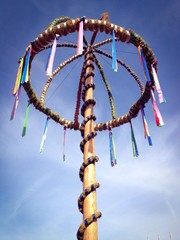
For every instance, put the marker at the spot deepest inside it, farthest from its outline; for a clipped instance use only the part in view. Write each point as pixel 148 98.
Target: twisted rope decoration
pixel 58 20
pixel 108 88
pixel 78 101
pixel 92 159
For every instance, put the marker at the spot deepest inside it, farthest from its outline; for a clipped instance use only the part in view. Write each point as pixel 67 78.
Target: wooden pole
pixel 90 202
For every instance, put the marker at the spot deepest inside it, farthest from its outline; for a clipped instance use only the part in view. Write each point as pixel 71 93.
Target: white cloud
pixel 26 196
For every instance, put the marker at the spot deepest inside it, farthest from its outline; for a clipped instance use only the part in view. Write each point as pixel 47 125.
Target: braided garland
pixel 85 164
pixel 78 101
pixel 58 20
pixel 108 88
pixel 86 223
pixel 98 127
pixel 92 159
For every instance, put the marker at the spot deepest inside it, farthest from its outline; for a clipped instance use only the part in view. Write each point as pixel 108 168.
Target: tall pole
pixel 63 26
pixel 90 202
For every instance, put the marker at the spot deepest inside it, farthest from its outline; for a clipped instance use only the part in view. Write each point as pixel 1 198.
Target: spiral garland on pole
pixel 88 128
pixel 87 170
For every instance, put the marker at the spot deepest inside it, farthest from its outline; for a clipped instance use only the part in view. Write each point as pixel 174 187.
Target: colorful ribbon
pixel 16 101
pixel 146 130
pixel 25 73
pixel 157 114
pixel 114 58
pixel 64 142
pixel 112 149
pixel 157 85
pixel 79 49
pixel 50 61
pixel 25 120
pixel 44 136
pixel 134 144
pixel 144 64
pixel 18 76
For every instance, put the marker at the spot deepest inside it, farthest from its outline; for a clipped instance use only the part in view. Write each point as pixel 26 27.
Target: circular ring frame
pixel 44 39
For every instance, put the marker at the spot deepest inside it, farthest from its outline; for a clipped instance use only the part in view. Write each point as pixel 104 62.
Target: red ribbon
pixel 157 114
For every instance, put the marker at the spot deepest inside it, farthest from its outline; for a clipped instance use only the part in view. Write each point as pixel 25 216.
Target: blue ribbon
pixel 145 66
pixel 26 67
pixel 44 136
pixel 114 60
pixel 112 149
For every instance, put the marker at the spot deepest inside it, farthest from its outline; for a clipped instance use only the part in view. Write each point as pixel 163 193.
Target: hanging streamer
pixel 17 88
pixel 44 135
pixel 144 64
pixel 114 58
pixel 157 114
pixel 18 77
pixel 146 130
pixel 25 73
pixel 50 62
pixel 16 101
pixel 64 143
pixel 25 120
pixel 112 149
pixel 134 144
pixel 157 85
pixel 79 49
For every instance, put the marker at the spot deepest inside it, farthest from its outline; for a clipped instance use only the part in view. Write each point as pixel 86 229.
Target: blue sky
pixel 139 198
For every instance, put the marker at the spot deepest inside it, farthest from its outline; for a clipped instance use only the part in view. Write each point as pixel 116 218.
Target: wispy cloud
pixel 26 196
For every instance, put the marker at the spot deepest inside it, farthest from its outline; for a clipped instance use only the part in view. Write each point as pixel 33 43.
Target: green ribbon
pixel 25 120
pixel 134 144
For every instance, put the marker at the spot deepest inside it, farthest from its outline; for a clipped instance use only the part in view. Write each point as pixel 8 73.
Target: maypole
pixel 87 201
pixel 89 179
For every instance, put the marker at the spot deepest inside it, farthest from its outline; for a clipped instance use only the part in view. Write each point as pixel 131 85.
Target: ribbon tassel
pixel 25 73
pixel 144 64
pixel 157 114
pixel 114 58
pixel 157 85
pixel 134 144
pixel 112 149
pixel 64 143
pixel 25 120
pixel 18 77
pixel 44 136
pixel 16 101
pixel 50 61
pixel 146 130
pixel 79 49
